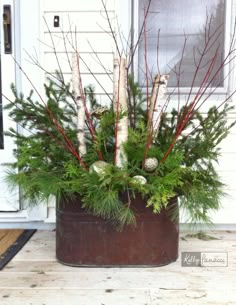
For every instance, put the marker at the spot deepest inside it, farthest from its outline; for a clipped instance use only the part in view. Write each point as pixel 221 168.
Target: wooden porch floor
pixel 34 277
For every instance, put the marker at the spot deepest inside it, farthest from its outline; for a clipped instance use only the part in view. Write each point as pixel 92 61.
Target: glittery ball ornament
pixel 140 179
pixel 150 164
pixel 98 167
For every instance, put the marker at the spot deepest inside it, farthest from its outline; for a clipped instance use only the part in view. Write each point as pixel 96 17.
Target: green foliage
pixel 46 166
pixel 136 101
pixel 135 146
pixel 201 192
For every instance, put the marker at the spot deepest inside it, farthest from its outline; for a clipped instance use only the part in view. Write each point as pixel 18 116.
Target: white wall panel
pixel 88 21
pixel 102 63
pixel 101 42
pixel 78 5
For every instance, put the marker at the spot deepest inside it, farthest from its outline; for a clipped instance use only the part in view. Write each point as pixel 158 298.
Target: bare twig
pixel 60 129
pixel 110 26
pixel 90 123
pixel 146 65
pixel 158 46
pixel 54 48
pixel 40 126
pixel 100 62
pixel 139 36
pixel 65 46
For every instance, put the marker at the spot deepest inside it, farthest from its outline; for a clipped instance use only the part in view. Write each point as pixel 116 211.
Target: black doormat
pixel 11 241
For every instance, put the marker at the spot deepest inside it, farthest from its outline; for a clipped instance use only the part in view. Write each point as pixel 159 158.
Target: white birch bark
pixel 80 105
pixel 120 105
pixel 157 102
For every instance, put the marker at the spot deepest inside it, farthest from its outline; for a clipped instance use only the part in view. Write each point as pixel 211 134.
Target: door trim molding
pixel 16 216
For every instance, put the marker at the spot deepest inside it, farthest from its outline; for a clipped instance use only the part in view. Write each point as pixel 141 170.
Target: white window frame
pixel 230 15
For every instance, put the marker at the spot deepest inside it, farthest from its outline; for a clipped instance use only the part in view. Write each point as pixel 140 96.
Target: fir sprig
pixel 44 165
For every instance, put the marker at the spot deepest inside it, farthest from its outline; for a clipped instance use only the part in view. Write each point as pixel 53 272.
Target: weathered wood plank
pixel 74 297
pixel 35 277
pixel 51 266
pixel 117 280
pixel 109 296
pixel 191 296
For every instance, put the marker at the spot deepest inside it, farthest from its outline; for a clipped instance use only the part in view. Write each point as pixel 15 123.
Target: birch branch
pixel 80 106
pixel 157 102
pixel 120 106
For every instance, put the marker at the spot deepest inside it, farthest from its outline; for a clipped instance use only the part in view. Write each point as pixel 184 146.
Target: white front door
pixel 9 199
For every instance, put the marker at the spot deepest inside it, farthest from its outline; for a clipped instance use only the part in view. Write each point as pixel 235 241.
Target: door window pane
pixel 195 19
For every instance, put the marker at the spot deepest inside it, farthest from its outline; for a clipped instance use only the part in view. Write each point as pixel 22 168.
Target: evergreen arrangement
pixel 75 147
pixel 49 163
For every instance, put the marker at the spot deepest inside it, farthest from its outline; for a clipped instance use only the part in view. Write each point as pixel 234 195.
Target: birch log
pixel 80 105
pixel 120 105
pixel 157 102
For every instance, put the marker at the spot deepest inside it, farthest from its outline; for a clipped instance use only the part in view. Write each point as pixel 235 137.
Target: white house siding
pixel 227 171
pixel 88 18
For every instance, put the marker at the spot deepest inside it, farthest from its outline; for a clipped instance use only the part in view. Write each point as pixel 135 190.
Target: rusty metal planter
pixel 86 240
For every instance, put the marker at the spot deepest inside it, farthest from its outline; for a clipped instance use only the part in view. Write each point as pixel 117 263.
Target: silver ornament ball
pixel 150 164
pixel 98 167
pixel 140 179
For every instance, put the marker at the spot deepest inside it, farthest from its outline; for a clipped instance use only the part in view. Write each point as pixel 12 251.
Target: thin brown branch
pixel 54 48
pixel 158 46
pixel 65 46
pixel 110 26
pixel 91 127
pixel 146 66
pixel 121 38
pixel 99 61
pixel 139 36
pixel 179 70
pixel 40 126
pixel 61 85
pixel 59 128
pixel 90 71
pixel 225 101
pixel 200 62
pixel 185 120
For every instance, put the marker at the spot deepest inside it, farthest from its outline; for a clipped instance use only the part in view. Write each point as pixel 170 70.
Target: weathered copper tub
pixel 86 240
